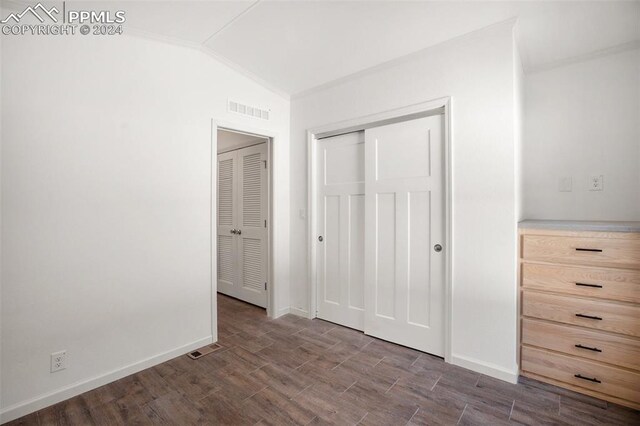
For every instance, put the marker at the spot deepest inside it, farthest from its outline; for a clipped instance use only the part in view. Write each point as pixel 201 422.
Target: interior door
pixel 252 224
pixel 340 262
pixel 242 224
pixel 404 220
pixel 227 215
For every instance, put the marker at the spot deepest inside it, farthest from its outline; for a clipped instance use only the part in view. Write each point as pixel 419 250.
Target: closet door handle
pixel 589 249
pixel 238 232
pixel 234 231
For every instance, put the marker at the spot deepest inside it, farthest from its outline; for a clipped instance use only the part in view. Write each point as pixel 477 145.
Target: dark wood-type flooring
pixel 298 371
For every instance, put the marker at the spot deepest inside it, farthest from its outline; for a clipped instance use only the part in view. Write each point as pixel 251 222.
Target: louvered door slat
pixel 225 258
pixel 227 210
pixel 253 212
pixel 252 264
pixel 225 192
pixel 242 206
pixel 252 189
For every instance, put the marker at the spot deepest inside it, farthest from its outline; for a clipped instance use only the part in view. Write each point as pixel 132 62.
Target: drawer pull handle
pixel 588 348
pixel 589 285
pixel 589 317
pixel 591 250
pixel 590 379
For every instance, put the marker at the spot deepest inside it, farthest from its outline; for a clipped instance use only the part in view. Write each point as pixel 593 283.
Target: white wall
pixel 584 119
pixel 106 196
pixel 518 74
pixel 478 72
pixel 1 97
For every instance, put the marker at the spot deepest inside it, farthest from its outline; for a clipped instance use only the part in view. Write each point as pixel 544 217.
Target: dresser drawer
pixel 611 284
pixel 608 252
pixel 595 345
pixel 596 314
pixel 605 379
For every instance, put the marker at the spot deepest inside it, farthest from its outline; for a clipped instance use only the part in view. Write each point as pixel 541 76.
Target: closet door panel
pixel 356 252
pixel 332 242
pixel 227 212
pixel 419 266
pixel 404 223
pixel 252 224
pixel 385 231
pixel 340 261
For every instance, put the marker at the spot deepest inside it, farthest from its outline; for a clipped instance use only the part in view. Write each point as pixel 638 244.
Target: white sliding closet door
pixel 340 261
pixel 242 224
pixel 404 266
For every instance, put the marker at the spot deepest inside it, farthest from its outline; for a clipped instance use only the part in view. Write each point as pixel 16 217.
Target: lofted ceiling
pixel 294 46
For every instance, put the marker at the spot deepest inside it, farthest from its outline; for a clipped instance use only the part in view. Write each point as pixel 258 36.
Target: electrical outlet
pixel 58 361
pixel 596 183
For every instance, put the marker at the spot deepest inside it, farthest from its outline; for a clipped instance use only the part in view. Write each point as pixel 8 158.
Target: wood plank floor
pixel 298 371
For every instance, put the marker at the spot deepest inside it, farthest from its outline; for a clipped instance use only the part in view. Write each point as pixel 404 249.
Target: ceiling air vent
pixel 251 111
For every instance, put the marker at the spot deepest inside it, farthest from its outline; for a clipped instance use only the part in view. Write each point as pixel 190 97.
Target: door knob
pixel 238 232
pixel 437 248
pixel 234 231
pixel 320 238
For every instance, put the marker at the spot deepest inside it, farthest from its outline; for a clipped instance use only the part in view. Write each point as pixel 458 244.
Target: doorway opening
pixel 242 229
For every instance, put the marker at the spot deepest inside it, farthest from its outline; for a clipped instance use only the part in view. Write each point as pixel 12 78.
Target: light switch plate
pixel 596 183
pixel 565 184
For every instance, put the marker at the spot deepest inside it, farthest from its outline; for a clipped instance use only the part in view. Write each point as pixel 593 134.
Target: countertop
pixel 581 225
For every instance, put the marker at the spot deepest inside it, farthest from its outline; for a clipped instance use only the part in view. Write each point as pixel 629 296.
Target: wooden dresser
pixel 580 307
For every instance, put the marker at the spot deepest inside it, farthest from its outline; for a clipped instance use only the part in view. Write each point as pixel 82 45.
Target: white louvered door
pixel 227 212
pixel 242 225
pixel 252 223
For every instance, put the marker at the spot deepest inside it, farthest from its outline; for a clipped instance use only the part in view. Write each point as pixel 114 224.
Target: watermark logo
pixel 84 22
pixel 33 11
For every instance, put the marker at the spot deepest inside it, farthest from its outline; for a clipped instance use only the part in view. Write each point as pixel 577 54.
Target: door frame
pixel 423 109
pixel 271 137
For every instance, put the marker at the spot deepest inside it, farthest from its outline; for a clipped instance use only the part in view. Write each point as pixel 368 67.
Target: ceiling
pixel 228 140
pixel 295 46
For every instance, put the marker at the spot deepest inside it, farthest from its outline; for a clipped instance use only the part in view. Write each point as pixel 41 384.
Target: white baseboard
pixel 29 406
pixel 282 311
pixel 485 368
pixel 300 312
